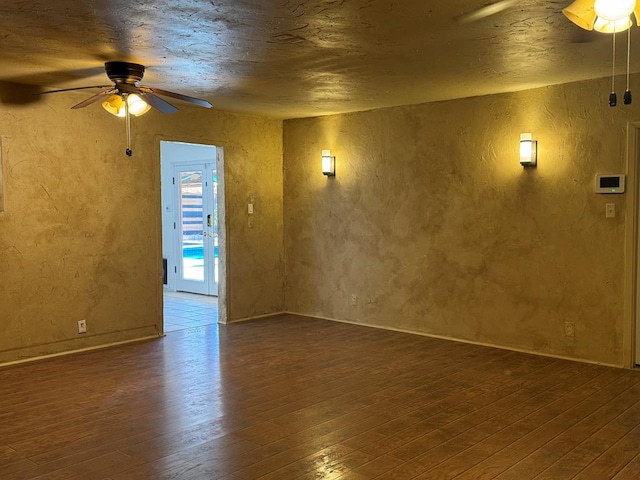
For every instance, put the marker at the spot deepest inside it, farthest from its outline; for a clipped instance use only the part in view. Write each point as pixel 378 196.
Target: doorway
pixel 632 170
pixel 190 226
pixel 632 249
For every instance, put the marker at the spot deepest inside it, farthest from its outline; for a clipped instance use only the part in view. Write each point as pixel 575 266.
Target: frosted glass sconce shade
pixel 528 150
pixel 328 164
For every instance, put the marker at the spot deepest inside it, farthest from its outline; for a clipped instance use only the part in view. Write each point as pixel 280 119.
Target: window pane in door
pixel 191 223
pixel 214 183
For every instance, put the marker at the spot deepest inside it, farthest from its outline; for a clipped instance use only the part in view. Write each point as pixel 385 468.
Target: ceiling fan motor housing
pixel 124 72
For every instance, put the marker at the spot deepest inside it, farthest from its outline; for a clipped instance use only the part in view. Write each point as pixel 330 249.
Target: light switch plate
pixel 610 210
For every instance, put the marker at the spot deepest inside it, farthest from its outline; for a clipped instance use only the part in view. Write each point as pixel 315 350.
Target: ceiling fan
pixel 126 97
pixel 125 77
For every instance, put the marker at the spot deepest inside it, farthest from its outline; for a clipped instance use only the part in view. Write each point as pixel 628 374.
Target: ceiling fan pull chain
pixel 627 92
pixel 613 98
pixel 128 122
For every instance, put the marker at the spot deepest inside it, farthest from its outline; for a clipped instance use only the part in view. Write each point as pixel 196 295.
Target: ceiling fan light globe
pixel 636 12
pixel 612 26
pixel 614 9
pixel 137 106
pixel 582 13
pixel 114 105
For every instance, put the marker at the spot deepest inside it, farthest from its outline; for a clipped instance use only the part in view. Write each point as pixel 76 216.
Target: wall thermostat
pixel 609 183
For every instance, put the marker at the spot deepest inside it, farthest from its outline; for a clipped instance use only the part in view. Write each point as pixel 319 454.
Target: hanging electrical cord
pixel 128 120
pixel 627 92
pixel 613 98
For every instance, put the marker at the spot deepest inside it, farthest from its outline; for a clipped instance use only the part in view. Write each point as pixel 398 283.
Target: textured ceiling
pixel 299 58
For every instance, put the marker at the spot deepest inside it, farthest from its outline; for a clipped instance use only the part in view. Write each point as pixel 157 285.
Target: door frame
pixel 631 328
pixel 223 278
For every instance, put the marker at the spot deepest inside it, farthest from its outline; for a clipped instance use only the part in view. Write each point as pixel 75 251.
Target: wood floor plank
pixel 378 466
pixel 7 467
pixel 495 436
pixel 214 459
pixel 631 471
pixel 578 458
pixel 614 459
pixel 546 455
pixel 431 425
pixel 497 463
pixel 328 463
pixel 8 456
pixel 94 468
pixel 291 397
pixel 451 440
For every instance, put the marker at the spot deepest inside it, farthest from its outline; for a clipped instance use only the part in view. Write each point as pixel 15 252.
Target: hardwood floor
pixel 298 398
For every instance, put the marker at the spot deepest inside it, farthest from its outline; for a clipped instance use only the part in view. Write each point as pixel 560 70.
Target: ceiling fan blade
pixel 486 11
pixel 94 98
pixel 178 96
pixel 148 96
pixel 72 89
pixel 158 103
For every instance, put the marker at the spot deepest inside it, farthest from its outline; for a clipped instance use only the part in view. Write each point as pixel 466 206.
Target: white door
pixel 196 228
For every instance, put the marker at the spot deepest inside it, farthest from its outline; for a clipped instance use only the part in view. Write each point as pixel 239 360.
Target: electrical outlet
pixel 569 330
pixel 354 300
pixel 82 326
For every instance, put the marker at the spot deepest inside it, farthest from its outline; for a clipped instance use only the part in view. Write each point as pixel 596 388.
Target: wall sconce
pixel 328 164
pixel 528 150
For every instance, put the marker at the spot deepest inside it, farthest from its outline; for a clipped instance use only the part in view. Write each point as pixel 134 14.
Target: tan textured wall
pixel 434 225
pixel 80 234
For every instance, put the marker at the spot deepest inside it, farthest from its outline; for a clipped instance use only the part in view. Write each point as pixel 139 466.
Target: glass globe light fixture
pixel 115 105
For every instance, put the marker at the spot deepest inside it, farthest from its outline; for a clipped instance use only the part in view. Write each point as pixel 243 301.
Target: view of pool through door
pixel 192 184
pixel 196 225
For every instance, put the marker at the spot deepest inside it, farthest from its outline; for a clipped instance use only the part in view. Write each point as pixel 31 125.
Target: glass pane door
pixel 191 225
pixel 214 231
pixel 196 228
